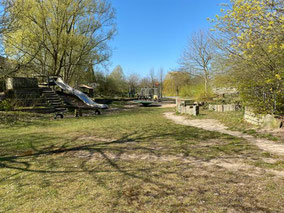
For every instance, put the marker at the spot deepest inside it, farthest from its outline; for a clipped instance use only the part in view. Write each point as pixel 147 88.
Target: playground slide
pixel 86 99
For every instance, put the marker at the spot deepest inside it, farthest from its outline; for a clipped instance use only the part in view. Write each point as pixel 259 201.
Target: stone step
pixel 49 94
pixel 60 109
pixel 53 101
pixel 48 91
pixel 40 105
pixel 56 104
pixel 53 98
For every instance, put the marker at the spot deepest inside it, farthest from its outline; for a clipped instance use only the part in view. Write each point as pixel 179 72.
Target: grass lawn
pixel 133 161
pixel 234 121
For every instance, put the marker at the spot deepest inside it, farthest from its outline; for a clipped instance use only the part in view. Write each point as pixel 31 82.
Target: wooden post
pixel 78 112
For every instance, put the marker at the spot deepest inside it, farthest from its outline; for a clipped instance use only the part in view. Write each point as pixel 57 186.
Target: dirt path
pixel 168 105
pixel 214 125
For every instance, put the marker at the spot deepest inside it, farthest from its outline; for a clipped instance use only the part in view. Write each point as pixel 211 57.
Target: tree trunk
pixel 205 85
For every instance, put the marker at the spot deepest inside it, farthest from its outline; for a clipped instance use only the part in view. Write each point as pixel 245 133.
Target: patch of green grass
pixel 14 118
pixel 134 161
pixel 278 164
pixel 118 104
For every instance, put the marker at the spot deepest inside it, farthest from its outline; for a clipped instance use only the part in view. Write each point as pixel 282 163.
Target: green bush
pixel 196 92
pixel 2 86
pixel 186 91
pixel 6 105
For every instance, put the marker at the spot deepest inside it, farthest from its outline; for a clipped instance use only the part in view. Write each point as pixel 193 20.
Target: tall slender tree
pixel 197 56
pixel 152 77
pixel 161 80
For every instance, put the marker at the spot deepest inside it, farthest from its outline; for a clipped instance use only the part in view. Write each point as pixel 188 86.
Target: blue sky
pixel 153 33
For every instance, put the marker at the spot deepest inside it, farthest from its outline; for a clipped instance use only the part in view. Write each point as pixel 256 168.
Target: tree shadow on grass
pixel 35 146
pixel 56 158
pixel 25 162
pixel 52 152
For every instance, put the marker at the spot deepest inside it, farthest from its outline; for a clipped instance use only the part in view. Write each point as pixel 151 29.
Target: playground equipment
pixel 82 96
pixel 145 103
pixel 27 96
pixel 30 95
pixel 148 96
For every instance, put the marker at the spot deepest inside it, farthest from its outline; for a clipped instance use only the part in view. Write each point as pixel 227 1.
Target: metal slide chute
pixel 82 96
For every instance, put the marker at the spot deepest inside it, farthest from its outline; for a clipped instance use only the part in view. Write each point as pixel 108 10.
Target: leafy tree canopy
pixel 59 37
pixel 251 36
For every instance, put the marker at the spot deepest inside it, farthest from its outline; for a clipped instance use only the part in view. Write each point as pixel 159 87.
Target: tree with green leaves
pixel 117 82
pixel 174 81
pixel 145 82
pixel 251 37
pixel 60 37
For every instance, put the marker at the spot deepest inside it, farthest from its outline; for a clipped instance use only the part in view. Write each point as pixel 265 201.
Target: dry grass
pixel 235 121
pixel 134 161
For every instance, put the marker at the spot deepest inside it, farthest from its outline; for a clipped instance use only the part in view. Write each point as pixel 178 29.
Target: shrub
pixel 7 105
pixel 196 92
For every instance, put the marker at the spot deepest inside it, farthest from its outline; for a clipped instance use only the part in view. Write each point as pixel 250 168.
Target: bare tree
pixel 133 82
pixel 145 82
pixel 198 56
pixel 152 77
pixel 161 79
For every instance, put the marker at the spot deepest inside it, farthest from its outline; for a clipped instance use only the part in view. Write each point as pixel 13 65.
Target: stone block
pixel 178 101
pixel 190 109
pixel 195 110
pixel 253 118
pixel 188 102
pixel 219 108
pixel 211 107
pixel 21 83
pixel 230 107
pixel 270 122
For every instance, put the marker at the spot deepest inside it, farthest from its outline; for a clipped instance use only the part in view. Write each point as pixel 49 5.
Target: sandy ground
pixel 214 125
pixel 232 164
pixel 168 105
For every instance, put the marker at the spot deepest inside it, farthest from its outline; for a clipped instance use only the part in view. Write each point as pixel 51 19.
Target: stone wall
pixel 2 85
pixel 22 88
pixel 21 83
pixel 265 121
pixel 191 110
pixel 251 117
pixel 186 107
pixel 223 107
